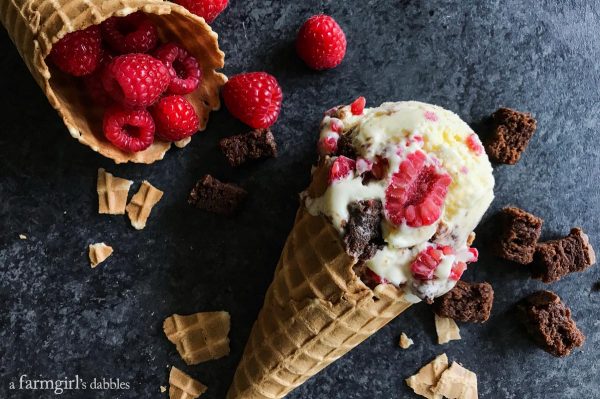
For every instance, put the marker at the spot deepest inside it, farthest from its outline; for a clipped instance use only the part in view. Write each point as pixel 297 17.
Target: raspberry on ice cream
pixel 134 33
pixel 79 52
pixel 427 169
pixel 135 80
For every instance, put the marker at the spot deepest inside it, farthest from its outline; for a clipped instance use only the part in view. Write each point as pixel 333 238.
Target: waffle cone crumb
pixel 405 342
pixel 98 253
pixel 446 329
pixel 428 376
pixel 199 337
pixel 142 203
pixel 457 383
pixel 182 386
pixel 112 193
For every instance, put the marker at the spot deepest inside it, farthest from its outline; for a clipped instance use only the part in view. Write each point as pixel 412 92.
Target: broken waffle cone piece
pixel 142 203
pixel 182 386
pixel 457 383
pixel 316 310
pixel 35 25
pixel 428 376
pixel 112 193
pixel 199 337
pixel 98 253
pixel 447 329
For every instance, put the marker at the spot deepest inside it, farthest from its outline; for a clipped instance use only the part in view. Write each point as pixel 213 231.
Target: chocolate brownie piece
pixel 345 146
pixel 468 302
pixel 555 259
pixel 256 144
pixel 519 234
pixel 362 232
pixel 549 322
pixel 511 134
pixel 214 196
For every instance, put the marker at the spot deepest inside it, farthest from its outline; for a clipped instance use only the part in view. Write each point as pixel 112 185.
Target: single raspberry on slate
pixel 175 118
pixel 341 167
pixel 321 43
pixel 134 33
pixel 135 80
pixel 254 98
pixel 183 68
pixel 358 106
pixel 130 130
pixel 416 193
pixel 78 53
pixel 207 9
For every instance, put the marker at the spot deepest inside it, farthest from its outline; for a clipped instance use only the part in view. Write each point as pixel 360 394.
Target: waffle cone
pixel 35 25
pixel 315 311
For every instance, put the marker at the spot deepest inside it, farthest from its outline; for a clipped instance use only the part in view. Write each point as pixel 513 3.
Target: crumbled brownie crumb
pixel 555 259
pixel 345 146
pixel 549 322
pixel 511 135
pixel 519 234
pixel 363 229
pixel 256 144
pixel 468 302
pixel 214 196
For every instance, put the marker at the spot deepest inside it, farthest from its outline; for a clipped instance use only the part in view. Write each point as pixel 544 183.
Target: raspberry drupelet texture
pixel 93 81
pixel 183 68
pixel 135 80
pixel 175 118
pixel 416 193
pixel 207 9
pixel 130 130
pixel 79 52
pixel 321 43
pixel 254 98
pixel 134 33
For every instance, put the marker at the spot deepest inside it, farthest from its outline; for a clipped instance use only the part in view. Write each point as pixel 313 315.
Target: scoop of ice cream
pixel 428 169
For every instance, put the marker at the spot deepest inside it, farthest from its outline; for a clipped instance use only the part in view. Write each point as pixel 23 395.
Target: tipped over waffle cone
pixel 35 25
pixel 315 311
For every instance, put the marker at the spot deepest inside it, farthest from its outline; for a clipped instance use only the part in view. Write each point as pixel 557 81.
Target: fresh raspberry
pixel 474 144
pixel 78 53
pixel 134 33
pixel 175 118
pixel 254 98
pixel 341 168
pixel 93 81
pixel 135 80
pixel 207 9
pixel 423 267
pixel 358 106
pixel 183 68
pixel 416 193
pixel 130 130
pixel 457 271
pixel 321 43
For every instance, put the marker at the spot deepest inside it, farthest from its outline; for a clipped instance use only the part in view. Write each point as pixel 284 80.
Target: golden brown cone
pixel 35 25
pixel 315 311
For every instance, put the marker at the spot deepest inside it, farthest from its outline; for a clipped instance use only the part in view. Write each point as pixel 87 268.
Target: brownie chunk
pixel 256 144
pixel 549 322
pixel 519 234
pixel 345 146
pixel 468 302
pixel 511 134
pixel 362 234
pixel 555 259
pixel 214 196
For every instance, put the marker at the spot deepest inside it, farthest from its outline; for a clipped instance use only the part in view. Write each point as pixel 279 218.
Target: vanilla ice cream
pixel 429 171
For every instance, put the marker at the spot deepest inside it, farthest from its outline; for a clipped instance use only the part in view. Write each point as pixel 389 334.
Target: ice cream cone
pixel 315 311
pixel 35 25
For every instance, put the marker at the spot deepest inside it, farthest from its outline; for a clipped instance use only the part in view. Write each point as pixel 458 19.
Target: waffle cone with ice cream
pixel 35 25
pixel 366 242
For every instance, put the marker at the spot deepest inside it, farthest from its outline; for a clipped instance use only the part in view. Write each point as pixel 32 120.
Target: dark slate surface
pixel 60 318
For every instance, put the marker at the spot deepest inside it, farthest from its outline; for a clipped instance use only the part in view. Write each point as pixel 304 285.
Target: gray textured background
pixel 60 318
